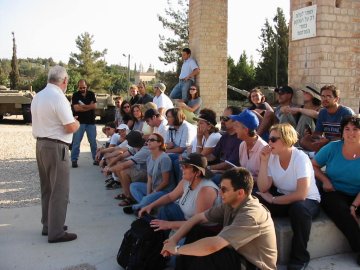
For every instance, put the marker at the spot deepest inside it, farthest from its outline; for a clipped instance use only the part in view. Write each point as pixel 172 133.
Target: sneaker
pixel 109 179
pixel 110 183
pixel 96 163
pixel 115 185
pixel 74 164
pixel 128 210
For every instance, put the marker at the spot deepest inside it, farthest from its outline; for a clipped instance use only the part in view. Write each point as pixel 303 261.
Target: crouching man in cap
pixel 247 240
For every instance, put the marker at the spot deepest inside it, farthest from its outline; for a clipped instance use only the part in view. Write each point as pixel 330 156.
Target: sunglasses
pixel 224 118
pixel 192 88
pixel 152 140
pixel 274 139
pixel 126 107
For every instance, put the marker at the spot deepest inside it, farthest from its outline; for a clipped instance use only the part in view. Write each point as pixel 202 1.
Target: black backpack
pixel 141 247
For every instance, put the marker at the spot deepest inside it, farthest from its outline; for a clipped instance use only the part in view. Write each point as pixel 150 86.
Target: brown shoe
pixel 65 238
pixel 45 233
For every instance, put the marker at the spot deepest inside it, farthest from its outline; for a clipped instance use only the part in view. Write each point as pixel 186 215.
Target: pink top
pixel 251 161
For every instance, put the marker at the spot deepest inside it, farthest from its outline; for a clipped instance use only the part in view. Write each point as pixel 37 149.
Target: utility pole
pixel 276 53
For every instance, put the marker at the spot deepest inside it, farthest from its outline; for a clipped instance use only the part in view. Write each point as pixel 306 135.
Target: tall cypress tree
pixel 14 75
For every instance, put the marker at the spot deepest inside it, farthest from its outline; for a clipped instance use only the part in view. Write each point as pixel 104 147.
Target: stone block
pixel 325 238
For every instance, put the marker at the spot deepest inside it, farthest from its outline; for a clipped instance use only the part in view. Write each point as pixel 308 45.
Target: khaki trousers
pixel 53 164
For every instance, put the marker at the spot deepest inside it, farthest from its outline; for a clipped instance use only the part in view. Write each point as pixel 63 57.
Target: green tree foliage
pixel 274 51
pixel 39 82
pixel 240 75
pixel 176 21
pixel 88 63
pixel 14 74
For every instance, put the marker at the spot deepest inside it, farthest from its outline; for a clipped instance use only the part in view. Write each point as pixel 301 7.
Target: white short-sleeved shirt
pixel 163 101
pixel 210 142
pixel 114 140
pixel 299 167
pixel 162 129
pixel 50 112
pixel 187 67
pixel 183 137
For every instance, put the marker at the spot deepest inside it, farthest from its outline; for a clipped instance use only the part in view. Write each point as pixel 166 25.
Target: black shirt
pixel 146 98
pixel 135 99
pixel 87 117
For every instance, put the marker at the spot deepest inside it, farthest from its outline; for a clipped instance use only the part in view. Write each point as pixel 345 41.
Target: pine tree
pixel 88 63
pixel 14 75
pixel 274 52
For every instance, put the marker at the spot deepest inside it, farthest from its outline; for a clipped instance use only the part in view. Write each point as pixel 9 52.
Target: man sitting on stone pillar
pixel 187 75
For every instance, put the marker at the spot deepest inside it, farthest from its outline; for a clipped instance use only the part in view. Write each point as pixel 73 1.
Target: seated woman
pixel 126 114
pixel 193 104
pixel 252 144
pixel 263 111
pixel 194 194
pixel 159 176
pixel 179 137
pixel 290 171
pixel 208 134
pixel 137 116
pixel 341 181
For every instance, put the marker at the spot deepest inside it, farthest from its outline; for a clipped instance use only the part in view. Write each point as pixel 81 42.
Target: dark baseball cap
pixel 206 117
pixel 284 90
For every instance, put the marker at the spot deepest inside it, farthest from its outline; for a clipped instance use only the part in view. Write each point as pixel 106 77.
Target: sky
pixel 49 28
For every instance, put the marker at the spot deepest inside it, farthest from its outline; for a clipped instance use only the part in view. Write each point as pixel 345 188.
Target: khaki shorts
pixel 137 175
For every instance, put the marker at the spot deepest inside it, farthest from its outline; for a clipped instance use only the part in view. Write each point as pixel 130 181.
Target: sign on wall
pixel 304 23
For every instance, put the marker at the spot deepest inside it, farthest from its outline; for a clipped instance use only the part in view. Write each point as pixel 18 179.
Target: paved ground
pixel 100 224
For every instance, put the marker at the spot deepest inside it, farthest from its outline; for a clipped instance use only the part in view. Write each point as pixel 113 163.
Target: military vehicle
pixel 105 107
pixel 15 102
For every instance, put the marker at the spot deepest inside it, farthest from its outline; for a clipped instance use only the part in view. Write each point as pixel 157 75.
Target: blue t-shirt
pixel 329 124
pixel 155 169
pixel 343 173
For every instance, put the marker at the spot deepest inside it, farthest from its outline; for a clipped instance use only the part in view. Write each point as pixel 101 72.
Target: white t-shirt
pixel 182 137
pixel 163 101
pixel 162 129
pixel 50 111
pixel 187 67
pixel 124 144
pixel 299 167
pixel 210 142
pixel 114 140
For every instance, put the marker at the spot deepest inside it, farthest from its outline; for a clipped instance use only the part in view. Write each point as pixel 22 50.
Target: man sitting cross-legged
pixel 247 239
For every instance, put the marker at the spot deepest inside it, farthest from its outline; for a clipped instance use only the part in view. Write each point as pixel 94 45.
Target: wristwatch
pixel 177 250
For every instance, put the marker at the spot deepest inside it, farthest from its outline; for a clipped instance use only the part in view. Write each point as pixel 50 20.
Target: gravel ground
pixel 19 178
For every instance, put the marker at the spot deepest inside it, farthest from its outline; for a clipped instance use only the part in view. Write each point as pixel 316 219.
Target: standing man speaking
pixel 52 126
pixel 189 70
pixel 84 104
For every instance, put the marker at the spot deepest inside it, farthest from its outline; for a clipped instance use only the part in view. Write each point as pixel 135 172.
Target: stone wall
pixel 333 56
pixel 208 43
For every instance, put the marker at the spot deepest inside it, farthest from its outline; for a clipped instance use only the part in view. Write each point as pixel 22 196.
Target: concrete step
pixel 325 238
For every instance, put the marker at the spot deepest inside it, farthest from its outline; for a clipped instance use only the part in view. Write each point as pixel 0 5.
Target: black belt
pixel 52 140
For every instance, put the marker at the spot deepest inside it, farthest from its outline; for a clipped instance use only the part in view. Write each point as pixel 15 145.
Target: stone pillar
pixel 208 43
pixel 333 56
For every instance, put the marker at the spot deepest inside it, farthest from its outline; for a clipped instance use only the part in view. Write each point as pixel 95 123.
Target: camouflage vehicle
pixel 15 102
pixel 105 106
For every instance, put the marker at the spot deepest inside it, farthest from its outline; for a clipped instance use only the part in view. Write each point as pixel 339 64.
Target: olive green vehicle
pixel 15 102
pixel 105 106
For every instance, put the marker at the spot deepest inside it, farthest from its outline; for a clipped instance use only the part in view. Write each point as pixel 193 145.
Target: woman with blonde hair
pixel 289 170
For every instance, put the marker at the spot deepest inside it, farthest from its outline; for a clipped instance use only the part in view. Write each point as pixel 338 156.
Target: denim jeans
pixel 181 89
pixel 138 190
pixel 77 138
pixel 300 214
pixel 171 212
pixel 176 167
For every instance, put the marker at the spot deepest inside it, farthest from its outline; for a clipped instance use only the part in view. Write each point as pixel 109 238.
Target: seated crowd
pixel 172 161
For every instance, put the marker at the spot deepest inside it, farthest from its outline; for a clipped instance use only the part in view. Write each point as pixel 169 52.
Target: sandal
pixel 120 196
pixel 127 202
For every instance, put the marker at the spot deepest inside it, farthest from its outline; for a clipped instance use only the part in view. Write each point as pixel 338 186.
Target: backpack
pixel 141 247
